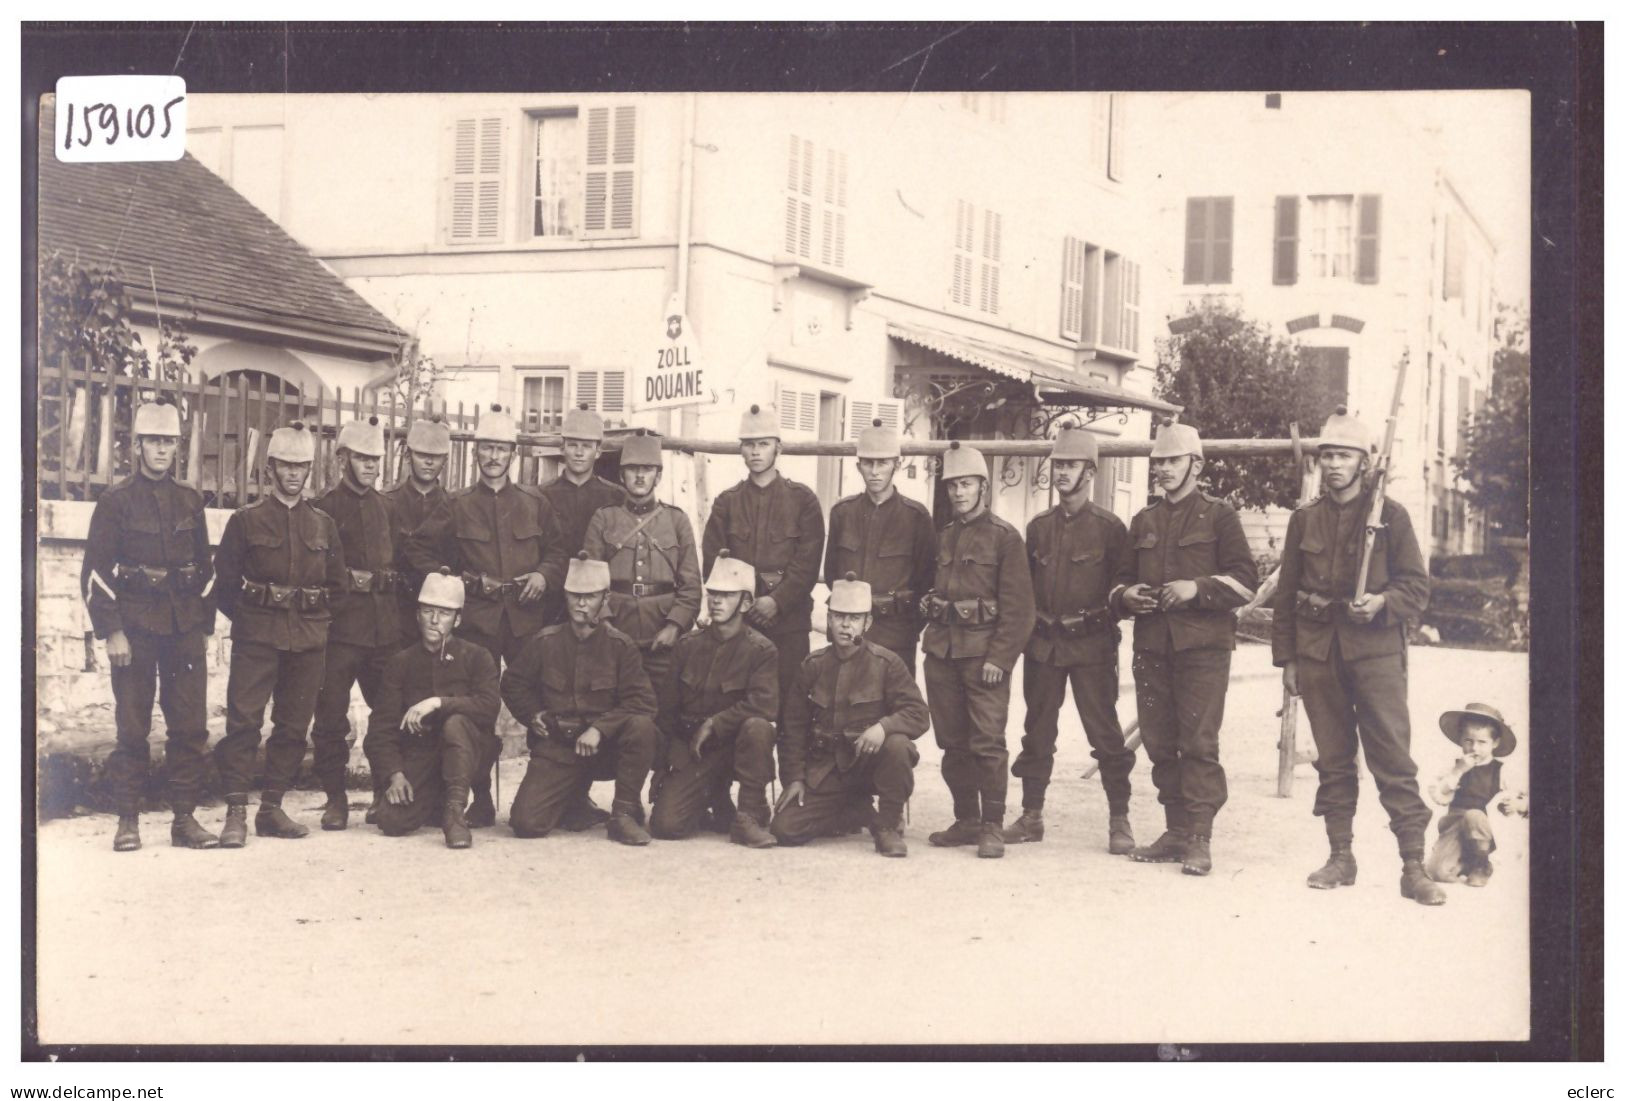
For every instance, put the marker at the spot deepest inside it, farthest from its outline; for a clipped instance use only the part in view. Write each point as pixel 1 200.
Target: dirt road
pixel 358 938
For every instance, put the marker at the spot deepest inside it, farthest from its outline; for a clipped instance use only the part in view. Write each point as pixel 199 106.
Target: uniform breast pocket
pixel 981 570
pixel 866 707
pixel 316 544
pixel 599 693
pixel 734 684
pixel 143 539
pixel 265 554
pixel 1198 553
pixel 1316 558
pixel 1088 570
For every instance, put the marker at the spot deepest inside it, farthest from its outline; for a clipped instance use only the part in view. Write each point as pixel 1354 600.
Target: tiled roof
pixel 204 243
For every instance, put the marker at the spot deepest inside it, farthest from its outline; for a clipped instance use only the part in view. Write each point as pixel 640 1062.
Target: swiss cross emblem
pixel 674 327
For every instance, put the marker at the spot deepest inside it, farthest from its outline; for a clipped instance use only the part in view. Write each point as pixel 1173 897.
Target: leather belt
pixel 267 594
pixel 973 612
pixel 482 586
pixel 1074 624
pixel 185 579
pixel 643 588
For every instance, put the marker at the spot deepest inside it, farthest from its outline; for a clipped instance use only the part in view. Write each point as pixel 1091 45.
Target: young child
pixel 1465 841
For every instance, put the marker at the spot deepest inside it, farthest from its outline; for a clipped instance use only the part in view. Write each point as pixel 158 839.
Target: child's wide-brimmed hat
pixel 1450 722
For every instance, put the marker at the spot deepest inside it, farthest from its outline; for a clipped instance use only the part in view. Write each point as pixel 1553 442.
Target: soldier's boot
pixel 1167 849
pixel 887 830
pixel 1198 859
pixel 964 831
pixel 336 815
pixel 1119 836
pixel 1338 871
pixel 720 817
pixel 1029 827
pixel 234 834
pixel 624 825
pixel 127 838
pixel 377 805
pixel 186 833
pixel 990 840
pixel 272 821
pixel 582 813
pixel 1415 884
pixel 452 822
pixel 747 826
pixel 483 812
pixel 1476 855
pixel 856 816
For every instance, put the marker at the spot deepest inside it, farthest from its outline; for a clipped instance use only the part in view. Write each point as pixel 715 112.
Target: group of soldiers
pixel 577 605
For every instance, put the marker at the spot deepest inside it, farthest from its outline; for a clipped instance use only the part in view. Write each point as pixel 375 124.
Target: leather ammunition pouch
pixel 482 586
pixel 1074 625
pixel 897 605
pixel 558 728
pixel 185 580
pixel 374 581
pixel 974 612
pixel 767 581
pixel 1316 608
pixel 310 600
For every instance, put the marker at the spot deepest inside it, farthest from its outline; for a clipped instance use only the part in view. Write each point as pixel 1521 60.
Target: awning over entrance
pixel 1042 373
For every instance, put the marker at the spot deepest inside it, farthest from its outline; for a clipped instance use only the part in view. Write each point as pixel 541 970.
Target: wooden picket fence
pixel 84 421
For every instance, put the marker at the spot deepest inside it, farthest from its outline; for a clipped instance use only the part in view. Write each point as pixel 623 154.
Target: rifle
pixel 1379 481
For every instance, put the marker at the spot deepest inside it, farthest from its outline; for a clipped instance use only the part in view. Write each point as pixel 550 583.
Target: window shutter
pixel 1115 150
pixel 1452 257
pixel 1286 240
pixel 798 209
pixel 476 180
pixel 612 398
pixel 1130 336
pixel 789 403
pixel 1071 289
pixel 1223 211
pixel 587 389
pixel 1369 238
pixel 1100 132
pixel 862 414
pixel 991 231
pixel 833 237
pixel 609 180
pixel 964 236
pixel 798 410
pixel 1196 236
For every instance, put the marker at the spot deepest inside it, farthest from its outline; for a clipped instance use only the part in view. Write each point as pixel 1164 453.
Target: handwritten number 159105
pixel 138 122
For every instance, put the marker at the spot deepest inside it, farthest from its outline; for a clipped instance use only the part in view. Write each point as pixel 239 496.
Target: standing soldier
pixel 581 691
pixel 145 578
pixel 366 631
pixel 776 526
pixel 887 540
pixel 434 727
pixel 1075 549
pixel 503 540
pixel 717 705
pixel 849 730
pixel 278 571
pixel 981 612
pixel 1346 657
pixel 577 493
pixel 1190 568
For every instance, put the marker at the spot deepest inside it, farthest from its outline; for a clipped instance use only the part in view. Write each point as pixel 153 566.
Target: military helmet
pixel 429 437
pixel 1076 443
pixel 362 437
pixel 442 590
pixel 582 423
pixel 294 442
pixel 497 426
pixel 878 442
pixel 1176 439
pixel 157 418
pixel 759 423
pixel 731 575
pixel 962 462
pixel 851 596
pixel 586 575
pixel 1343 430
pixel 641 448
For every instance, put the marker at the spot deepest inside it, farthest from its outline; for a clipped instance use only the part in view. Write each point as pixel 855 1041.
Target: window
pixel 1331 364
pixel 541 398
pixel 1331 236
pixel 1100 296
pixel 976 263
pixel 1207 239
pixel 815 176
pixel 1111 329
pixel 556 175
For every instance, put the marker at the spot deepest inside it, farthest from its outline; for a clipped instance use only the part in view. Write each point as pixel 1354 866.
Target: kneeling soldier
pixel 278 569
pixel 849 730
pixel 717 705
pixel 433 728
pixel 144 579
pixel 582 693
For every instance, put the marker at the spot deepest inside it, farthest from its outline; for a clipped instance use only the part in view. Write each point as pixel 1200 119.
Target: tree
pixel 1495 459
pixel 1237 380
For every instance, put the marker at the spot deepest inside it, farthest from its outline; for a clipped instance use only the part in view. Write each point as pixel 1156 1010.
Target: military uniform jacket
pixel 596 680
pixel 366 531
pixel 983 559
pixel 726 680
pixel 1075 560
pixel 500 534
pixel 1324 541
pixel 833 696
pixel 1197 539
pixel 778 528
pixel 269 543
pixel 574 506
pixel 415 514
pixel 158 524
pixel 661 553
pixel 463 675
pixel 892 546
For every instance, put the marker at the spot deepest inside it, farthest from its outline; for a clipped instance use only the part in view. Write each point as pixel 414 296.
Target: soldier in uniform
pixel 980 612
pixel 145 580
pixel 777 526
pixel 366 630
pixel 1346 657
pixel 849 730
pixel 1189 570
pixel 434 726
pixel 580 689
pixel 505 543
pixel 887 540
pixel 1075 550
pixel 717 704
pixel 278 571
pixel 577 493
